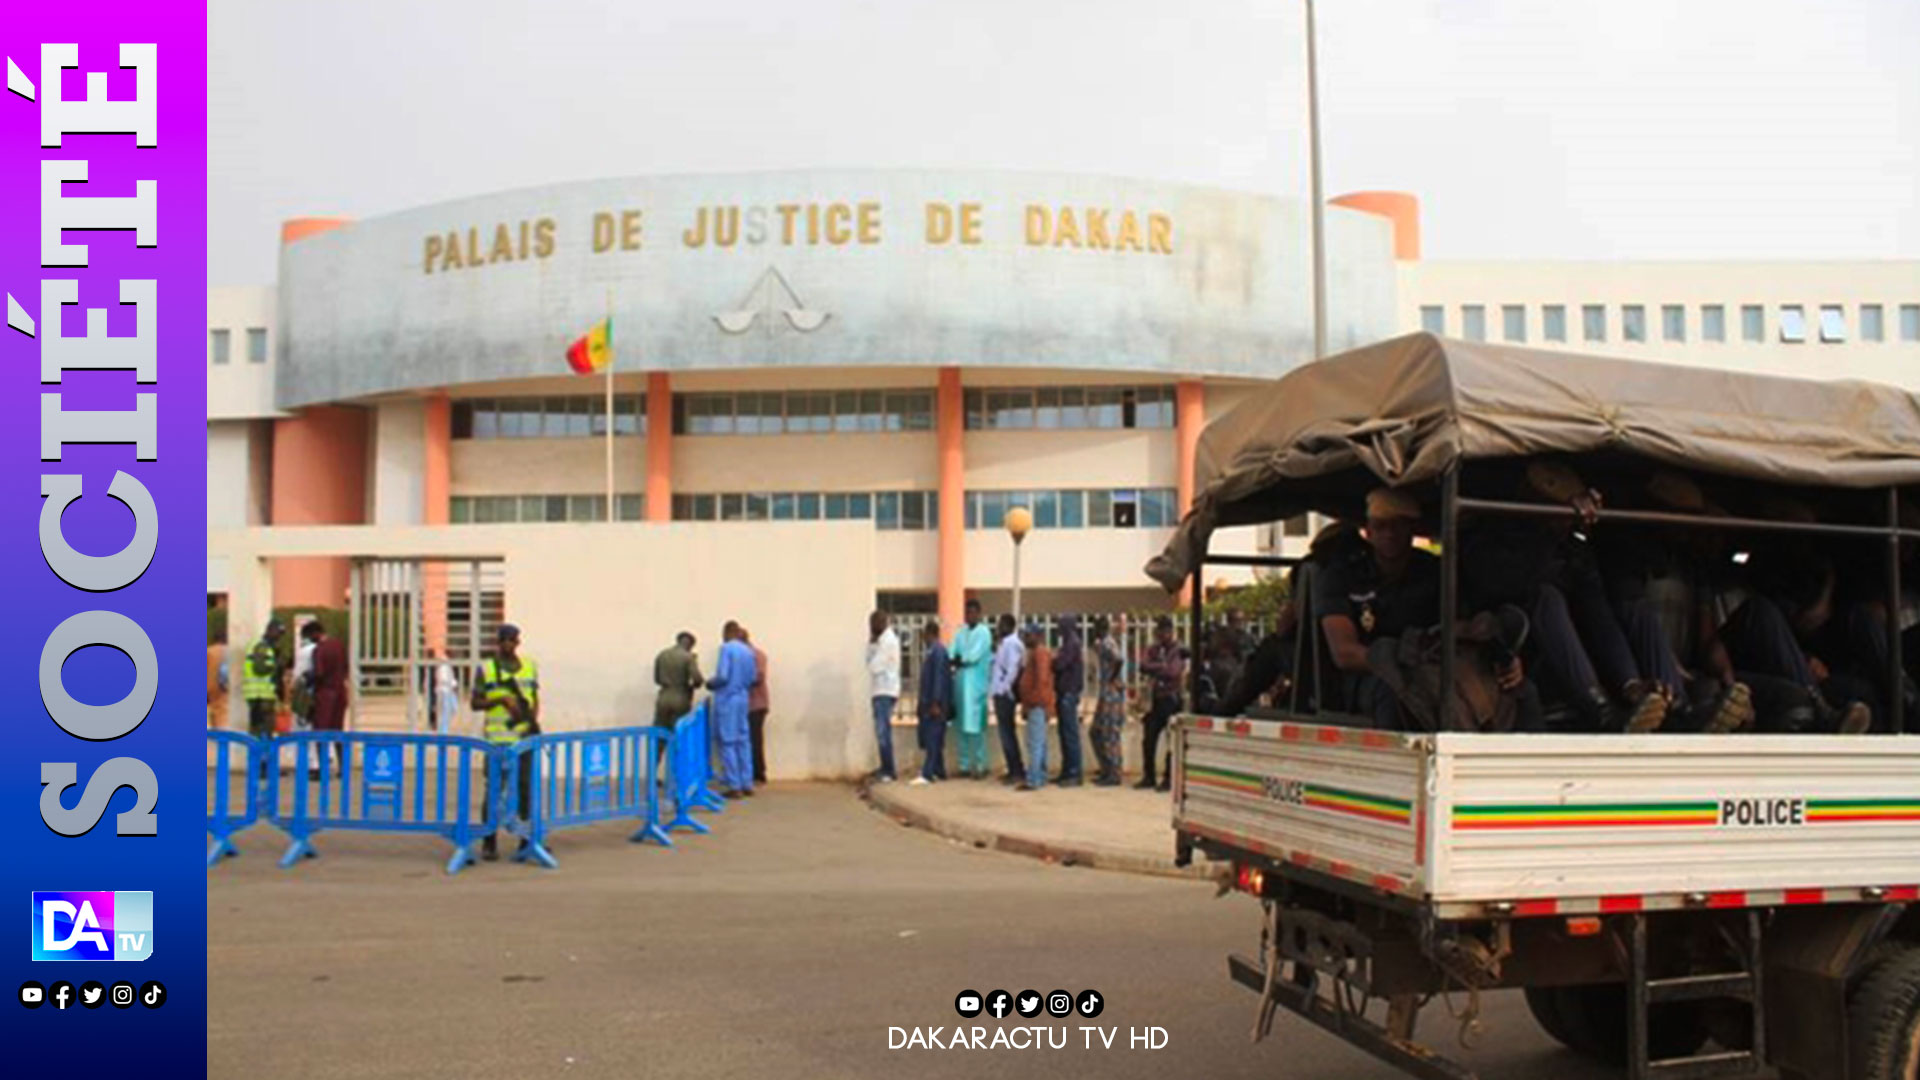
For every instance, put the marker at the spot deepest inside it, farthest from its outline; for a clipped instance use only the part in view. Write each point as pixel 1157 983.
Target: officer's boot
pixel 1649 705
pixel 490 848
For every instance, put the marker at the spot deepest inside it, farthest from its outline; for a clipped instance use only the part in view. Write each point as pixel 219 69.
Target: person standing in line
pixel 1110 707
pixel 329 677
pixel 676 673
pixel 1166 666
pixel 261 687
pixel 732 681
pixel 1035 691
pixel 217 684
pixel 972 653
pixel 506 692
pixel 1069 678
pixel 757 708
pixel 936 698
pixel 300 682
pixel 883 674
pixel 1008 657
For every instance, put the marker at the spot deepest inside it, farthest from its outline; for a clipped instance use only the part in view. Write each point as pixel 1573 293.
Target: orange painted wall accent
pixel 1396 206
pixel 302 227
pixel 659 446
pixel 319 478
pixel 436 493
pixel 950 424
pixel 1190 418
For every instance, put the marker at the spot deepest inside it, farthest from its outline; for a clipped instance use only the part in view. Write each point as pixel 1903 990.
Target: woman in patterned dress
pixel 1111 710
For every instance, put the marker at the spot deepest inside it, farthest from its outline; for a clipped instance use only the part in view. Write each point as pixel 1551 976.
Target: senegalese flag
pixel 594 351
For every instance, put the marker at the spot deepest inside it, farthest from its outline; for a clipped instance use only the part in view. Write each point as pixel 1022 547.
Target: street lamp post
pixel 1319 209
pixel 1019 523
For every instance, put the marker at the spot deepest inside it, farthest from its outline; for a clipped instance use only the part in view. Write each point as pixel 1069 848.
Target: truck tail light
pixel 1582 926
pixel 1250 879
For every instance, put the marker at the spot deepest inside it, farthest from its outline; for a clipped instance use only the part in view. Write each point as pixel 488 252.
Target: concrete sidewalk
pixel 1104 828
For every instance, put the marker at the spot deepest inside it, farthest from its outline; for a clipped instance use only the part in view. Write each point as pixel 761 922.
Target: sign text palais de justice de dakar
pixel 805 224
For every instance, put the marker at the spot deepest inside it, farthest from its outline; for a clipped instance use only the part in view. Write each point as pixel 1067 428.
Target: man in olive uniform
pixel 263 686
pixel 507 692
pixel 676 672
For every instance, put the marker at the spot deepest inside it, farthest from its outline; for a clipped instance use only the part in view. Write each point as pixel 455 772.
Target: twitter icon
pixel 92 994
pixel 1028 1003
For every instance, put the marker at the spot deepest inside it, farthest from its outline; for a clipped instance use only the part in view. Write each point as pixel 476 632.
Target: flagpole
pixel 611 353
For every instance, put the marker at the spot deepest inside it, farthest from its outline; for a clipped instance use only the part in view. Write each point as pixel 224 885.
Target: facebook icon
pixel 998 1003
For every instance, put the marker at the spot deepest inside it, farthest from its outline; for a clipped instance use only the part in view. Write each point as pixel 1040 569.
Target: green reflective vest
pixel 259 684
pixel 497 686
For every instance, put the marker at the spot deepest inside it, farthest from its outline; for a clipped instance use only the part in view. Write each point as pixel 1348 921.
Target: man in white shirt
pixel 883 669
pixel 1007 658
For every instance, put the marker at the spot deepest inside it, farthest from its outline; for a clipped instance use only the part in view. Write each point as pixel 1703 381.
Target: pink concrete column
pixel 436 509
pixel 659 446
pixel 319 478
pixel 950 423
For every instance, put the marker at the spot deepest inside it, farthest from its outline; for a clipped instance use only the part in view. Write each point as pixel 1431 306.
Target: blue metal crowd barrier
pixel 386 783
pixel 582 777
pixel 690 764
pixel 222 822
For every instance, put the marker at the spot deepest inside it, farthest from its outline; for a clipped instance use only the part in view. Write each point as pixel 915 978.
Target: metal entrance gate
pixel 417 630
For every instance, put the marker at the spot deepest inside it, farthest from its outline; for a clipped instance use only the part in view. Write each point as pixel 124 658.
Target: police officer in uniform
pixel 262 687
pixel 507 693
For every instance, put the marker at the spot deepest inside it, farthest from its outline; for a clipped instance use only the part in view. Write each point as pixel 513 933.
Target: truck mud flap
pixel 1409 1057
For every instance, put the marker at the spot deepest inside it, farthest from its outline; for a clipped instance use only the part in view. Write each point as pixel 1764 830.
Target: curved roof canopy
pixel 1402 411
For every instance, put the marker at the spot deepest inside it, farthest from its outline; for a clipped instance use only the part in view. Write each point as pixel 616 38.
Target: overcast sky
pixel 1529 128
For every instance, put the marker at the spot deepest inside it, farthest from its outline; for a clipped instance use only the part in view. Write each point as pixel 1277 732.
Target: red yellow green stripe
pixel 1842 810
pixel 1318 796
pixel 1582 816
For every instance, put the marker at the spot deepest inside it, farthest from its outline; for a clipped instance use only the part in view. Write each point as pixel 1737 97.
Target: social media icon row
pixel 92 995
pixel 1028 1003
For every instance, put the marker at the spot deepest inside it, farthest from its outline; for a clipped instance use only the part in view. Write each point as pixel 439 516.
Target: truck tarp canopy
pixel 1405 409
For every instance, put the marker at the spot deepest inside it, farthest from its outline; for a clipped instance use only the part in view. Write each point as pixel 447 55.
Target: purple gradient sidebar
pixel 169 1039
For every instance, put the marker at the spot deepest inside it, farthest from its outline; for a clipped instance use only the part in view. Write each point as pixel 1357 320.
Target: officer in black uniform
pixel 1382 591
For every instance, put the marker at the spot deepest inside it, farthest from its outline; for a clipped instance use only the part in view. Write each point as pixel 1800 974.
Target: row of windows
pixel 1125 508
pixel 220 345
pixel 798 412
pixel 888 510
pixel 508 509
pixel 1068 407
pixel 549 417
pixel 1791 321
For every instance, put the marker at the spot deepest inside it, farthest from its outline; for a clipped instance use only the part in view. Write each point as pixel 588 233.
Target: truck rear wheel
pixel 1544 1003
pixel 1595 1020
pixel 1884 1021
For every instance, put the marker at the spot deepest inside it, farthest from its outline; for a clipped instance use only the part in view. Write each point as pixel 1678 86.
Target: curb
pixel 1097 858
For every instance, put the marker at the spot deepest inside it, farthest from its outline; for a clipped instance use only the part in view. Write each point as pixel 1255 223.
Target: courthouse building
pixel 915 350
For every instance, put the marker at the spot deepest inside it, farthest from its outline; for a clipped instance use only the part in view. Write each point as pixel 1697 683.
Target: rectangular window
pixel 1126 509
pixel 1753 323
pixel 586 508
pixel 1910 322
pixel 706 508
pixel 1073 509
pixel 733 507
pixel 1793 324
pixel 1873 324
pixel 581 412
pixel 256 345
pixel 460 510
pixel 486 419
pixel 860 506
pixel 886 510
pixel 1010 410
pixel 1713 323
pixel 221 344
pixel 1106 408
pixel 1046 411
pixel 836 507
pixel 808 508
pixel 1673 322
pixel 1157 509
pixel 1100 509
pixel 632 507
pixel 463 419
pixel 1073 407
pixel 872 411
pixel 913 509
pixel 909 411
pixel 1046 509
pixel 746 414
pixel 993 509
pixel 1833 324
pixel 1433 318
pixel 1633 322
pixel 757 508
pixel 1593 322
pixel 1473 322
pixel 630 415
pixel 1553 322
pixel 533 509
pixel 1153 407
pixel 554 416
pixel 783 508
pixel 974 403
pixel 683 508
pixel 1513 322
pixel 972 504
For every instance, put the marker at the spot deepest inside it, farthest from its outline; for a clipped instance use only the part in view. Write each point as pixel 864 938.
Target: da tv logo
pixel 92 925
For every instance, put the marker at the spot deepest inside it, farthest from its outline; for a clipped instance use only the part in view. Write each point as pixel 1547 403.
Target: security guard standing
pixel 262 687
pixel 507 693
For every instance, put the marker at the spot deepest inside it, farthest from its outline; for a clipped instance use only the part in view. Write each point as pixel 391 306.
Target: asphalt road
pixel 784 944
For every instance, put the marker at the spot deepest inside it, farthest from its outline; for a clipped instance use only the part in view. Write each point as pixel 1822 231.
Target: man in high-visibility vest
pixel 506 691
pixel 262 687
